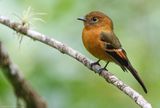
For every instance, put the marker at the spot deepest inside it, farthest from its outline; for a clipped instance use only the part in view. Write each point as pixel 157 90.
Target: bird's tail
pixel 119 56
pixel 136 76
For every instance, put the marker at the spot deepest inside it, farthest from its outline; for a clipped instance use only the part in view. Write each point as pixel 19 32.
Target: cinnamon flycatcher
pixel 100 40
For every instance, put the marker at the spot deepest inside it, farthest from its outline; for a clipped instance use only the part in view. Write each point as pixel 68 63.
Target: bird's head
pixel 96 19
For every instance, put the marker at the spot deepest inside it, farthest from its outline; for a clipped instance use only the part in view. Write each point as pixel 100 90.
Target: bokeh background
pixel 62 81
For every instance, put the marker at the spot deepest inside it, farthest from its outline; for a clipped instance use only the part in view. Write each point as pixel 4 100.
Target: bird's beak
pixel 82 19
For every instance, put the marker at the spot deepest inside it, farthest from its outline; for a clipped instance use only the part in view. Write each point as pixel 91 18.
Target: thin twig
pixel 21 88
pixel 109 77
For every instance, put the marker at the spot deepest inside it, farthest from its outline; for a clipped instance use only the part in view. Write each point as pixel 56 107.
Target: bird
pixel 100 40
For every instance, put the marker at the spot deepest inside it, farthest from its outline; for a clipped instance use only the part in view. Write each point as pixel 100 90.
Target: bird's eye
pixel 95 19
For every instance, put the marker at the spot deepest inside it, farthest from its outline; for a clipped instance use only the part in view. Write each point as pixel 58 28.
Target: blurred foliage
pixel 62 81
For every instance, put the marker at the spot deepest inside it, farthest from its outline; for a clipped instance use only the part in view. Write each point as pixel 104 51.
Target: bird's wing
pixel 111 39
pixel 114 49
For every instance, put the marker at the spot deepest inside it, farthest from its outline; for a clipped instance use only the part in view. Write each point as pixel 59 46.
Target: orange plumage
pixel 93 44
pixel 99 39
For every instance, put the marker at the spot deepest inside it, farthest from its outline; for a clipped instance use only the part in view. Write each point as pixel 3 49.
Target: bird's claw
pixel 95 63
pixel 101 69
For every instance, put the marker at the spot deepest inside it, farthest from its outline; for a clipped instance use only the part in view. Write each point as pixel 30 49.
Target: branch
pixel 63 48
pixel 21 88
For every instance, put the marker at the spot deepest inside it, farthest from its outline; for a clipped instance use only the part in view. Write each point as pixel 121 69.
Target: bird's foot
pixel 95 63
pixel 102 69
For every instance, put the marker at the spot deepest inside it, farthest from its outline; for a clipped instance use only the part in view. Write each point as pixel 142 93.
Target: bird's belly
pixel 96 48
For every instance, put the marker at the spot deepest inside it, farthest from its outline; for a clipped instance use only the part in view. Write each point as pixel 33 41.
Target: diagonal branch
pixel 21 88
pixel 109 77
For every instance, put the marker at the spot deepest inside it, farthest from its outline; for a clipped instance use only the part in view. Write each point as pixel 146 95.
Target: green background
pixel 62 81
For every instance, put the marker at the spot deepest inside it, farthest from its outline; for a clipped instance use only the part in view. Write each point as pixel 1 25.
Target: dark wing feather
pixel 120 59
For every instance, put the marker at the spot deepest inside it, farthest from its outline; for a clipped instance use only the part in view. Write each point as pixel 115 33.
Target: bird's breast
pixel 92 42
